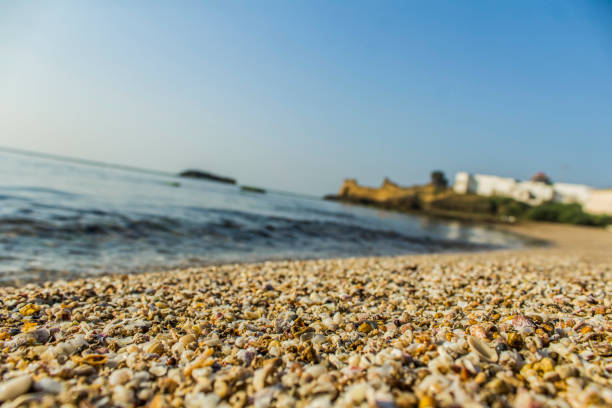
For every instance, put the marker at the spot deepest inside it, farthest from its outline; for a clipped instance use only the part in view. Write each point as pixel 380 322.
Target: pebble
pixel 123 395
pixel 158 370
pixel 48 385
pixel 13 388
pixel 120 376
pixel 485 352
pixel 458 330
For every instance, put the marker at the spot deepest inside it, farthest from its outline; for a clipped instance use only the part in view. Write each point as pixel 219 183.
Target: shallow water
pixel 61 219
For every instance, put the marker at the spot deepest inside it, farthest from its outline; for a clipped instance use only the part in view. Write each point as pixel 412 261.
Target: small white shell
pixel 482 349
pixel 120 376
pixel 13 388
pixel 158 370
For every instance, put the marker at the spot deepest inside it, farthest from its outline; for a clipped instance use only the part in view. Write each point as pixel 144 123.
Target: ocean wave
pixel 222 225
pixel 67 220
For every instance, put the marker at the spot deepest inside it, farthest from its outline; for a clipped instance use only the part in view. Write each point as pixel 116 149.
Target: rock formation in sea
pixel 389 194
pixel 199 174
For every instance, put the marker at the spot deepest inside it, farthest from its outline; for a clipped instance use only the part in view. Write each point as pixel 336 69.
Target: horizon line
pixel 102 164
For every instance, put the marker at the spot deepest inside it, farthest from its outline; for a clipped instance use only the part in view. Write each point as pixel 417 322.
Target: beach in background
pixel 64 220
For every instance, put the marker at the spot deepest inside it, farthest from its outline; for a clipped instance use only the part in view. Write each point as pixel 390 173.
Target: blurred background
pixel 148 134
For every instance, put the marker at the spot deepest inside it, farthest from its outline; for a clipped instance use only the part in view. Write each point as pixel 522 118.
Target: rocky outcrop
pixel 387 191
pixel 252 189
pixel 392 196
pixel 389 195
pixel 199 174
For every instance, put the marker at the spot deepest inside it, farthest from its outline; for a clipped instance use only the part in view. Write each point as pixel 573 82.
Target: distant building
pixel 530 192
pixel 541 177
pixel 572 193
pixel 600 202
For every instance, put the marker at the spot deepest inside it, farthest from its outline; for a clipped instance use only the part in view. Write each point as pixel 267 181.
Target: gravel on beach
pixel 529 328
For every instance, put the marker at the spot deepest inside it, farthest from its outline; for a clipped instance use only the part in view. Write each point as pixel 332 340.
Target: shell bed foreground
pixel 522 330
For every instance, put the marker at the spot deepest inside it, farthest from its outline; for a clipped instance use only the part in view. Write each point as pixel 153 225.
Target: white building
pixel 529 192
pixel 600 202
pixel 572 193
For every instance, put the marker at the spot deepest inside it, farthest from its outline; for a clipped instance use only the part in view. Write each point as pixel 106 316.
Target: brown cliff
pixel 389 195
pixel 388 191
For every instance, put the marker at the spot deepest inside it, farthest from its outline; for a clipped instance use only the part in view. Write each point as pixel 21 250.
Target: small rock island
pixel 204 175
pixel 252 189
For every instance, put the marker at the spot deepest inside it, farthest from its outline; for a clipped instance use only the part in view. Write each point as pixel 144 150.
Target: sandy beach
pixel 524 328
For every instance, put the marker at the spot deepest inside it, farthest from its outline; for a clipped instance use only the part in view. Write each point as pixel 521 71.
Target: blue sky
pixel 297 95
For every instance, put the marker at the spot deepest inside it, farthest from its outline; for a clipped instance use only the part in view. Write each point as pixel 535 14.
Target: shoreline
pixel 510 327
pixel 414 245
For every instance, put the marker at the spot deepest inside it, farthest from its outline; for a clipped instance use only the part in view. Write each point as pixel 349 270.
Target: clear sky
pixel 297 95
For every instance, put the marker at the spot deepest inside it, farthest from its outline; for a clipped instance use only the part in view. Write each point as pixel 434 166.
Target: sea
pixel 62 219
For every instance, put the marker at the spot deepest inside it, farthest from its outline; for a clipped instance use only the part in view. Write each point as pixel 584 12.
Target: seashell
pixel 478 331
pixel 201 400
pixel 427 401
pixel 545 365
pixel 140 376
pixel 603 350
pixel 119 377
pixel 306 336
pixel 260 376
pixel 221 388
pixel 48 385
pixel 78 341
pixel 238 399
pixel 155 347
pixel 328 323
pixel 91 359
pixel 125 341
pixel 523 324
pixel 187 339
pixel 566 371
pixel 497 386
pixel 144 394
pixel 203 360
pixel 39 336
pixel 177 348
pixel 515 341
pixel 357 393
pixel 314 371
pixel 406 400
pixel 482 349
pixel 13 388
pixel 212 341
pixel 84 370
pixel 123 395
pixel 29 309
pixel 246 356
pixel 158 370
pixel 365 327
pixel 158 401
pixel 29 325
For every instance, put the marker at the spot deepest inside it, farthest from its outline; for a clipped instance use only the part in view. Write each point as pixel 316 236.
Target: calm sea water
pixel 62 220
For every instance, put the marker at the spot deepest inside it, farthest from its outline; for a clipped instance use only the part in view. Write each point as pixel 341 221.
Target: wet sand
pixel 523 328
